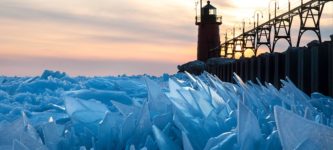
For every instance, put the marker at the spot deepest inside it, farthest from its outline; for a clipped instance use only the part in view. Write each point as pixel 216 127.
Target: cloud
pixel 138 24
pixel 111 36
pixel 225 4
pixel 138 39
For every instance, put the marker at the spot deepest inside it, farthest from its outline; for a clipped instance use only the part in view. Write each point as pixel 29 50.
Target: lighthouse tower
pixel 209 32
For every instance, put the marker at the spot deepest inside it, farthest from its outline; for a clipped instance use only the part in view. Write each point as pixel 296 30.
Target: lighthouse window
pixel 212 11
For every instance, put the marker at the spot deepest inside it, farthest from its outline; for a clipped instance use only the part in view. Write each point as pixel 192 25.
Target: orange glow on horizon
pixel 153 32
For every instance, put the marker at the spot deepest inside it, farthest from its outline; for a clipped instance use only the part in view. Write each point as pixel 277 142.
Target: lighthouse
pixel 209 33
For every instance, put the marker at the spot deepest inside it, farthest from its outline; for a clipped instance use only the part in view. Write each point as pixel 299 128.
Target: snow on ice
pixel 55 111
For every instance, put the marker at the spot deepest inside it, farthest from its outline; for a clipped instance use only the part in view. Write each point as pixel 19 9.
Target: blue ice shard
pixel 85 110
pixel 225 140
pixel 101 95
pixel 108 131
pixel 272 141
pixel 150 143
pixel 143 126
pixel 186 142
pixel 228 143
pixel 155 98
pixel 297 132
pixel 52 134
pixel 17 145
pixel 126 109
pixel 249 134
pixel 205 106
pixel 163 142
pixel 128 127
pixel 187 96
pixel 22 131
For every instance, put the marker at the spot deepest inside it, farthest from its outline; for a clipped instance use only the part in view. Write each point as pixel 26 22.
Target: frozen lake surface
pixel 55 111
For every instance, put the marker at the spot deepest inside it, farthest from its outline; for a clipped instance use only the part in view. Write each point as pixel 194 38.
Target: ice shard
pixel 100 95
pixel 52 134
pixel 108 131
pixel 298 132
pixel 249 134
pixel 128 127
pixel 228 143
pixel 164 143
pixel 217 141
pixel 17 145
pixel 85 110
pixel 180 111
pixel 186 142
pixel 155 98
pixel 126 109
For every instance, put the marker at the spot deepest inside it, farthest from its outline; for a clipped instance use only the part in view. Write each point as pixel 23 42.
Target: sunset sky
pixel 111 37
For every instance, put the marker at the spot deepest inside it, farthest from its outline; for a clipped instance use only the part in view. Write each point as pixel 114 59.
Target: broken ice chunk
pixel 273 142
pixel 144 123
pixel 84 110
pixel 163 142
pixel 155 98
pixel 186 142
pixel 17 145
pixel 128 127
pixel 52 74
pixel 228 143
pixel 162 120
pixel 101 95
pixel 249 134
pixel 298 132
pixel 52 134
pixel 3 95
pixel 108 131
pixel 125 109
pixel 214 141
pixel 203 104
pixel 150 143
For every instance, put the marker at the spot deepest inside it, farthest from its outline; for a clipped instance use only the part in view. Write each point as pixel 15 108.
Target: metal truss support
pixel 229 46
pixel 310 19
pixel 310 14
pixel 263 37
pixel 238 47
pixel 249 41
pixel 282 26
pixel 223 50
